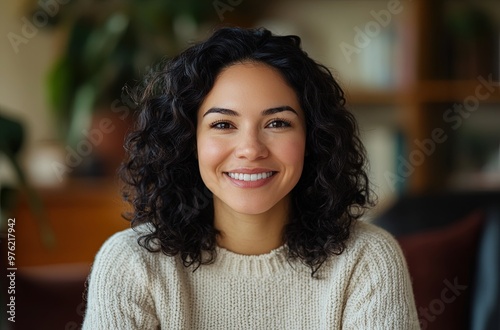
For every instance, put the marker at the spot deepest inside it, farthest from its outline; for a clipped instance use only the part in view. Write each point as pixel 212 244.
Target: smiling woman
pixel 250 118
pixel 250 156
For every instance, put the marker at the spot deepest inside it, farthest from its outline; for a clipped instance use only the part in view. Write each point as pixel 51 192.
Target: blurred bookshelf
pixel 423 71
pixel 367 97
pixel 452 91
pixel 456 83
pixel 426 91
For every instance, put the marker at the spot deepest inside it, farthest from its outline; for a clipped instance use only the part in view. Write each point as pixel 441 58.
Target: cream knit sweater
pixel 366 287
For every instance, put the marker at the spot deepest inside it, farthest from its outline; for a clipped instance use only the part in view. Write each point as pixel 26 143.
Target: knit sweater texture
pixel 366 287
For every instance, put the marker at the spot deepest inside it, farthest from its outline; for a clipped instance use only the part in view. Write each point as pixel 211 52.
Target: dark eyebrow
pixel 222 111
pixel 267 112
pixel 272 111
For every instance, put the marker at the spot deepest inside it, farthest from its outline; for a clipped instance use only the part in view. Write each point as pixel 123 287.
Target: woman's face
pixel 251 137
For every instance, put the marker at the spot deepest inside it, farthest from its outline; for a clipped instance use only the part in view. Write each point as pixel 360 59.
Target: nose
pixel 250 146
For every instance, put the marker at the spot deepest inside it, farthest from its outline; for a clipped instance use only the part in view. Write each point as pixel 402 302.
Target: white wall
pixel 22 76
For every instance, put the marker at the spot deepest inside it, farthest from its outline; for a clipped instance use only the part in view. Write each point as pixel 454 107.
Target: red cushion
pixel 441 263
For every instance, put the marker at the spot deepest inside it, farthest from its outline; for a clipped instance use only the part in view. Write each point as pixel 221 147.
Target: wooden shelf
pixel 455 91
pixel 370 97
pixel 82 215
pixel 431 91
pixel 476 180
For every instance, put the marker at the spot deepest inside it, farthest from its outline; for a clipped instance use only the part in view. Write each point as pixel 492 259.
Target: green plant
pixel 108 44
pixel 11 140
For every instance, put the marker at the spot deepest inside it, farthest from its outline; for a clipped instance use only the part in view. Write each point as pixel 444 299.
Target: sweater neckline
pixel 262 265
pixel 270 254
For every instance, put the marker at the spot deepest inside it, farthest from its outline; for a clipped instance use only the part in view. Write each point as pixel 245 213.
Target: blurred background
pixel 420 76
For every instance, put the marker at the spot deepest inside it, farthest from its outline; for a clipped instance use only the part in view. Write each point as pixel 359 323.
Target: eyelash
pixel 218 122
pixel 285 122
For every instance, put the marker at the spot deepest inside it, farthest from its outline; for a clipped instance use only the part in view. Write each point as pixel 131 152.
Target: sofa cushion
pixel 441 263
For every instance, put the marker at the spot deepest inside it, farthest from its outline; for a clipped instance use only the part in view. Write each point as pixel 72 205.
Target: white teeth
pixel 250 177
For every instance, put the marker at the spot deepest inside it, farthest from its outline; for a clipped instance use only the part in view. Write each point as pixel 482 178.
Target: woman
pixel 246 172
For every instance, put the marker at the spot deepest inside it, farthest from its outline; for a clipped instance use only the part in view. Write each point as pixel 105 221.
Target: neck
pixel 250 234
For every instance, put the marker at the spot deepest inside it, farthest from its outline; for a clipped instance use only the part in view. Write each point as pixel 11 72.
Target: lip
pixel 246 170
pixel 250 184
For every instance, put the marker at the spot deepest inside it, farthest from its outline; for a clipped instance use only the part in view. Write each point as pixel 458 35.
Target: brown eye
pixel 221 125
pixel 279 123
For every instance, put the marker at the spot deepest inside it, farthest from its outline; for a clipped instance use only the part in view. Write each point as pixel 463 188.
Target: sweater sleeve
pixel 380 294
pixel 118 295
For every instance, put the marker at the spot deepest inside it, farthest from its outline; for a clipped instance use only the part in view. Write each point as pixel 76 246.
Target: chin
pixel 251 209
pixel 256 206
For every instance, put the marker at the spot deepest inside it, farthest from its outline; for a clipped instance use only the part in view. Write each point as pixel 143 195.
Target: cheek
pixel 291 152
pixel 210 153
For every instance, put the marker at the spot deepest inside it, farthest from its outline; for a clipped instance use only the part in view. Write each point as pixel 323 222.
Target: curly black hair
pixel 161 174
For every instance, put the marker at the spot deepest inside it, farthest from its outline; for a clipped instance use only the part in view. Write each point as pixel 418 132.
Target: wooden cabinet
pixel 82 215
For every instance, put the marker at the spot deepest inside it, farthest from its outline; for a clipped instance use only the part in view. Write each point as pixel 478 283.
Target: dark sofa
pixel 452 245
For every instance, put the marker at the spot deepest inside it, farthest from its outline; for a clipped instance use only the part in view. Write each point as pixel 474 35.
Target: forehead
pixel 250 85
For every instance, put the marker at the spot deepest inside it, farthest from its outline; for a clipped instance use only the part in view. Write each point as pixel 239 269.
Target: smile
pixel 250 177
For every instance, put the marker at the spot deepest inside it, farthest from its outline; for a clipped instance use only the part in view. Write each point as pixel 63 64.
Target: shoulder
pixel 127 237
pixel 369 251
pixel 123 243
pixel 371 247
pixel 378 283
pixel 121 252
pixel 119 288
pixel 369 238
